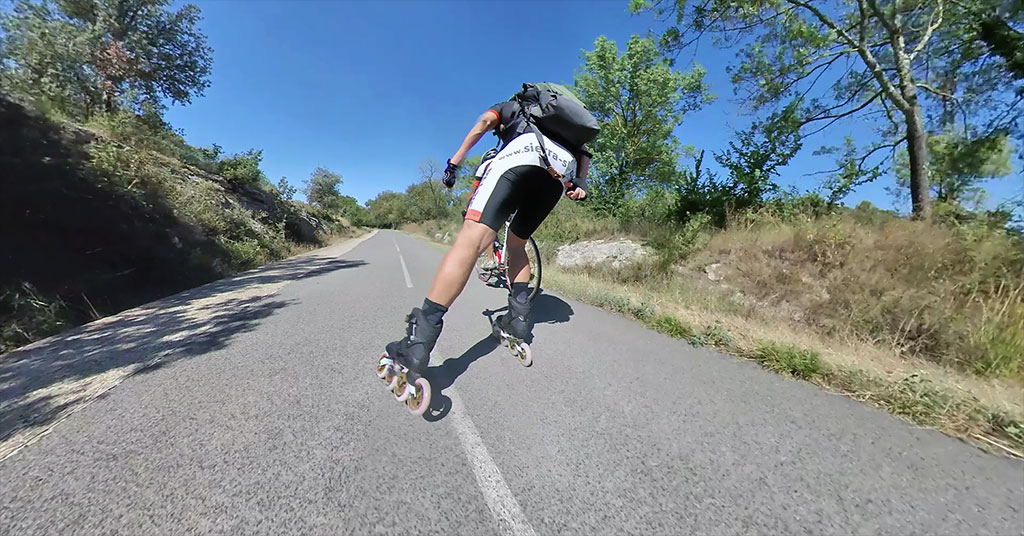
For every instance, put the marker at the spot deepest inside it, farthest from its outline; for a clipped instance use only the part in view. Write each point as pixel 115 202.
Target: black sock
pixel 521 292
pixel 433 311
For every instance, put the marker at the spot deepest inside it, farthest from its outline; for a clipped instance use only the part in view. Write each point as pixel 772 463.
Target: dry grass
pixel 985 410
pixel 952 295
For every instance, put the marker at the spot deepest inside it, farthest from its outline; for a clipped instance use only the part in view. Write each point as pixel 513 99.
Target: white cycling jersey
pixel 525 151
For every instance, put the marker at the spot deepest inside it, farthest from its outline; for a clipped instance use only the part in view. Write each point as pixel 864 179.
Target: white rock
pixel 714 271
pixel 617 253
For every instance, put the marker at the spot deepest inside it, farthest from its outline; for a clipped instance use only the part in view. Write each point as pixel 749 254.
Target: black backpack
pixel 553 110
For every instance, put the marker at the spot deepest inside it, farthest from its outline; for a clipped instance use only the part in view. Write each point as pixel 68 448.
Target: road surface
pixel 250 406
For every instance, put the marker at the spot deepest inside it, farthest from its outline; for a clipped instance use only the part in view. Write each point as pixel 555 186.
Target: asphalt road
pixel 272 421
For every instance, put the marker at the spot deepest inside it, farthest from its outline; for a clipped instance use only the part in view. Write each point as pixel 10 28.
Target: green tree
pixel 242 168
pixel 639 100
pixel 286 189
pixel 349 207
pixel 87 54
pixel 388 209
pixel 431 199
pixel 464 179
pixel 875 59
pixel 321 189
pixel 43 55
pixel 751 162
pixel 958 165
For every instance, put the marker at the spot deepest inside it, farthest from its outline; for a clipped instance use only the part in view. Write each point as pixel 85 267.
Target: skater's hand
pixel 450 172
pixel 575 192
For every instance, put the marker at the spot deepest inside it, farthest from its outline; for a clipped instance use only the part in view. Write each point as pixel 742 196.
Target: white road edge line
pixel 401 259
pixel 499 498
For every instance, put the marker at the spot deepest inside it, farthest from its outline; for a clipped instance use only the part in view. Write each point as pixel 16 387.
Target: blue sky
pixel 370 89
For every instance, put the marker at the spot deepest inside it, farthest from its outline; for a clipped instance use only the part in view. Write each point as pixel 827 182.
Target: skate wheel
pixel 524 354
pixel 392 377
pixel 382 365
pixel 420 401
pixel 400 387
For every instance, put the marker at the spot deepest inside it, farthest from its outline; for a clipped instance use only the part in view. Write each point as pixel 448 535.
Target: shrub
pixel 242 168
pixel 791 360
pixel 676 242
pixel 673 327
pixel 27 315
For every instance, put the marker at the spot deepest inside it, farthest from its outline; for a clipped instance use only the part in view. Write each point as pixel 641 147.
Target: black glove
pixel 449 174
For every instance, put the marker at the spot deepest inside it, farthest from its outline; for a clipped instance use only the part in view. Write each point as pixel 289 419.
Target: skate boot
pixel 512 329
pixel 402 364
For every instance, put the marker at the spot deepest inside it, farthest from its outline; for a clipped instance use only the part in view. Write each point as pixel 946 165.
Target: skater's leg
pixel 518 263
pixel 458 263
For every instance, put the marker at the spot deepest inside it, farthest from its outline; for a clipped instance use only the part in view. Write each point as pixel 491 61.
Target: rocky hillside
pixel 92 224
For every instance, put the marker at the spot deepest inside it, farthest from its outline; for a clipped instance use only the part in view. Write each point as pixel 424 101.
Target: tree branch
pixel 837 117
pixel 934 91
pixel 937 16
pixel 860 162
pixel 862 50
pixel 886 23
pixel 888 113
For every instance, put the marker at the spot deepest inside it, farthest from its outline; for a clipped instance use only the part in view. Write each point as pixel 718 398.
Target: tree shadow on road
pixel 43 381
pixel 547 309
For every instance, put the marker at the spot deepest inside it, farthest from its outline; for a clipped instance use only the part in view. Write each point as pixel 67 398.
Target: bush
pixel 242 168
pixel 677 242
pixel 26 315
pixel 673 327
pixel 789 359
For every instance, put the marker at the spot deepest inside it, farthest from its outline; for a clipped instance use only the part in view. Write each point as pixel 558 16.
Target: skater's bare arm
pixel 483 125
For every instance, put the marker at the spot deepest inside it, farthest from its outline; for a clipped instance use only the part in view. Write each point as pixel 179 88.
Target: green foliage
pixel 321 189
pixel 716 335
pixel 959 164
pixel 27 315
pixel 624 305
pixel 788 359
pixel 639 100
pixel 793 207
pixel 86 56
pixel 286 189
pixel 752 161
pixel 242 168
pixel 672 326
pixel 1003 40
pixel 676 242
pixel 428 200
pixel 247 242
pixel 849 173
pixel 389 209
pixel 464 179
pixel 117 166
pixel 897 67
pixel 43 53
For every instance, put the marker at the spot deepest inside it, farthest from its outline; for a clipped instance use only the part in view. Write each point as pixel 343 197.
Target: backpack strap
pixel 528 123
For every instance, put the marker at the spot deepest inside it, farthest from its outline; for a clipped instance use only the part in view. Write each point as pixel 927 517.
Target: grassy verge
pixel 988 415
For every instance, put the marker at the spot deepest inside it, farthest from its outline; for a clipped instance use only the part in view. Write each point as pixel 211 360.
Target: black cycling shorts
pixel 528 191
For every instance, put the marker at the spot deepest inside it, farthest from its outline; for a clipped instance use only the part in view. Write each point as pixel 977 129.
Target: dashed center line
pixel 499 498
pixel 405 269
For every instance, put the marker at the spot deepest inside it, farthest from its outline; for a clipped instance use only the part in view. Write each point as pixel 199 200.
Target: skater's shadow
pixel 547 309
pixel 550 309
pixel 444 376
